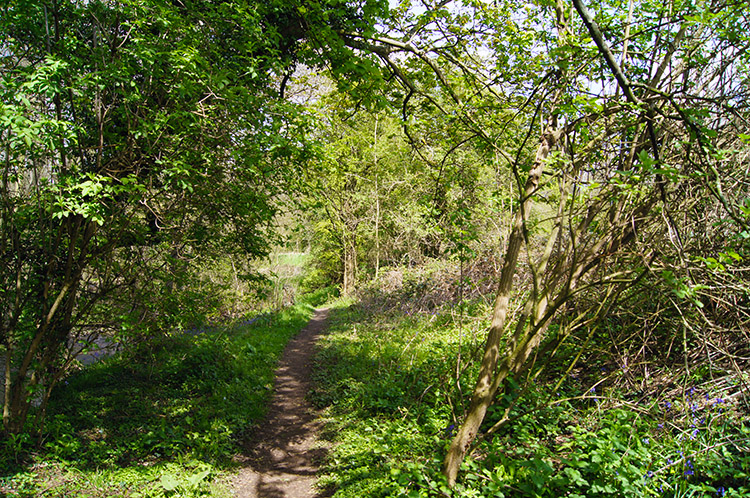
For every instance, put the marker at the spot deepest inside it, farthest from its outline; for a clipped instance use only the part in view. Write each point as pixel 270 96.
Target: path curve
pixel 281 458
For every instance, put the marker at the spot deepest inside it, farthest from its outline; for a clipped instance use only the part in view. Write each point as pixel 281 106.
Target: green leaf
pixel 195 479
pixel 169 482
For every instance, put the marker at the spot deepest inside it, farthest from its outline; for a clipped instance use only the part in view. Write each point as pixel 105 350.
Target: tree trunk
pixel 377 198
pixel 350 263
pixel 487 381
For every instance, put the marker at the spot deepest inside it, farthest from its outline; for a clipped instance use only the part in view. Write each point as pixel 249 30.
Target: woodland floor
pixel 281 457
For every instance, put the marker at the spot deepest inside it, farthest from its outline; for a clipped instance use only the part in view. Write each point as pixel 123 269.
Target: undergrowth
pixel 394 387
pixel 162 421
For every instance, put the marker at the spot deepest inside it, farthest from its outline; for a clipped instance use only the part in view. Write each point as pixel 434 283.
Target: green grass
pixel 297 259
pixel 162 420
pixel 321 296
pixel 165 420
pixel 388 383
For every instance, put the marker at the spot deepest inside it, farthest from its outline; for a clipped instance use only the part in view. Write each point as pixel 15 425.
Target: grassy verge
pixel 395 385
pixel 385 380
pixel 158 421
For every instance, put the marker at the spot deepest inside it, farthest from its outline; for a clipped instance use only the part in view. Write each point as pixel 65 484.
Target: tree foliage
pixel 601 146
pixel 137 136
pixel 637 110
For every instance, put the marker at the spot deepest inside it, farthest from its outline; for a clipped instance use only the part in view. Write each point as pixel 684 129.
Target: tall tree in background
pixel 362 190
pixel 383 198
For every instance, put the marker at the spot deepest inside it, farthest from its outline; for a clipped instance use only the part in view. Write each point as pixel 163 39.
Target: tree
pixel 136 135
pixel 356 185
pixel 615 153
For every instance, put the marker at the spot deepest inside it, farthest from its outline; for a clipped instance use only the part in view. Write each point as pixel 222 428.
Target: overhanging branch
pixel 609 57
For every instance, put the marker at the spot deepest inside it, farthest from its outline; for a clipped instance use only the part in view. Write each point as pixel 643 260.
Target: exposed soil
pixel 281 458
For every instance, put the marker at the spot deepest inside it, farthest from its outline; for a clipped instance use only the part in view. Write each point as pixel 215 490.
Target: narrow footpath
pixel 281 458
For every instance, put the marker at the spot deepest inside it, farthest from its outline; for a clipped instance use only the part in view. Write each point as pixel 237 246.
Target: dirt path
pixel 282 459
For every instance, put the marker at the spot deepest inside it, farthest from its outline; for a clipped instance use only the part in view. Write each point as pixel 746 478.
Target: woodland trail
pixel 281 458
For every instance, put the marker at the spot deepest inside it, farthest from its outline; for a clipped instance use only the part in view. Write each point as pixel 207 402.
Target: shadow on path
pixel 281 458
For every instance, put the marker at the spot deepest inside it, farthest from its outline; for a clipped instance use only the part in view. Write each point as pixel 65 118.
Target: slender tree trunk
pixel 350 263
pixel 377 199
pixel 487 384
pixel 377 229
pixel 7 393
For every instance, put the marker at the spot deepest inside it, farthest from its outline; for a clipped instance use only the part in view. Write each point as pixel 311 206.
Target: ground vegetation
pixel 536 216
